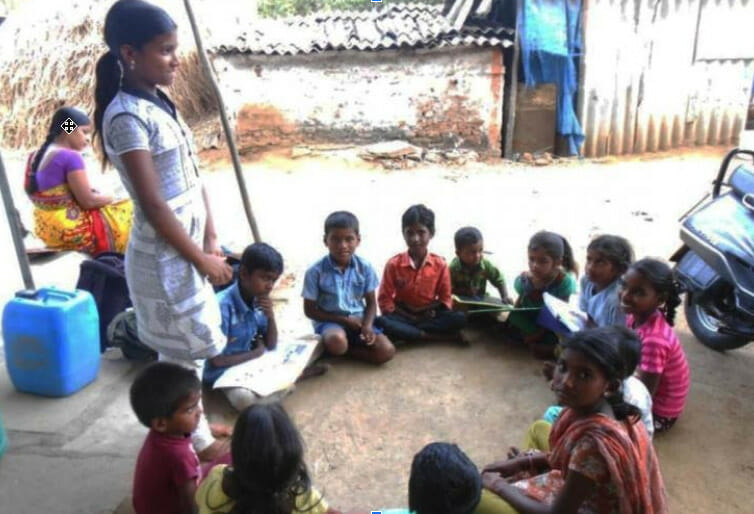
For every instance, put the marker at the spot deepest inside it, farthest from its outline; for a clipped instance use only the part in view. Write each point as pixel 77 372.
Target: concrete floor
pixel 362 424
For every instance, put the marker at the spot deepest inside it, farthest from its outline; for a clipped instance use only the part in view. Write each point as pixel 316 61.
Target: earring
pixel 132 66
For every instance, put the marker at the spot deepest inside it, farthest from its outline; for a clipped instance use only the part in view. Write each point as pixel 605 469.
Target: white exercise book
pixel 561 317
pixel 274 371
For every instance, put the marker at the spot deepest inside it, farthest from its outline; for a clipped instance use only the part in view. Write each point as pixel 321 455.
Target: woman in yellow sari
pixel 68 213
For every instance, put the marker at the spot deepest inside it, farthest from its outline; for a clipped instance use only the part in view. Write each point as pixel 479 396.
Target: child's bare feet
pixel 315 370
pixel 464 338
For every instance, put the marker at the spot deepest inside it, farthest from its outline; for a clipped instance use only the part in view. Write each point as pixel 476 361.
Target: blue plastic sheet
pixel 550 37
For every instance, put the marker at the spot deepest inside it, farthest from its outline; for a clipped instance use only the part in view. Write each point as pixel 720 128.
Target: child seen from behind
pixel 268 474
pixel 443 480
pixel 649 296
pixel 339 295
pixel 415 298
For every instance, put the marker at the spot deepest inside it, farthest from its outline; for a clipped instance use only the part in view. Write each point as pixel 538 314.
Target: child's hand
pixel 490 480
pixel 548 370
pixel 505 468
pixel 265 303
pixel 507 300
pixel 217 271
pixel 367 334
pixel 353 323
pixel 219 430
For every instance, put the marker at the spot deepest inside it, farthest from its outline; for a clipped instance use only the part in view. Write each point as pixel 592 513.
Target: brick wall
pixel 430 97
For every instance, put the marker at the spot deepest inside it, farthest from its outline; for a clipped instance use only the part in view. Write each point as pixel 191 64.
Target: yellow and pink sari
pixel 62 224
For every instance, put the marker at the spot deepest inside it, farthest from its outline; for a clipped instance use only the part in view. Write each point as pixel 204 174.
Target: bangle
pixel 532 470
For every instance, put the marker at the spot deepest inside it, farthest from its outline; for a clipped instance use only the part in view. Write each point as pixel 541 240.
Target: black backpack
pixel 123 333
pixel 105 278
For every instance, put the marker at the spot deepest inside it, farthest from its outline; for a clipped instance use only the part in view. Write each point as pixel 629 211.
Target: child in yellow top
pixel 268 472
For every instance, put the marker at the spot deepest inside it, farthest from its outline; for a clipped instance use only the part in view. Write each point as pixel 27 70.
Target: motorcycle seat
pixel 727 225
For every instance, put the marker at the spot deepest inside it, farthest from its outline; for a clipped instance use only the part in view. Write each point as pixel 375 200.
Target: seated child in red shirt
pixel 414 296
pixel 165 397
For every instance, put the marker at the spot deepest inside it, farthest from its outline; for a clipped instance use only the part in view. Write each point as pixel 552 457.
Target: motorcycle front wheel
pixel 704 326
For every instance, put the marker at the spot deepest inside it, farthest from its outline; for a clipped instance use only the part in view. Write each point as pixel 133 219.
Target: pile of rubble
pixel 401 155
pixel 535 159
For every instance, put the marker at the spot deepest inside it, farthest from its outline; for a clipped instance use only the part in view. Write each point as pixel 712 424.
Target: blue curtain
pixel 550 38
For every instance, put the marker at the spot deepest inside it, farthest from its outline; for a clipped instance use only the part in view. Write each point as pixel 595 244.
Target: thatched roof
pixel 48 52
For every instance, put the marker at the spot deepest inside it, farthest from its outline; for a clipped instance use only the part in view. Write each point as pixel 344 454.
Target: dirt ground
pixel 362 424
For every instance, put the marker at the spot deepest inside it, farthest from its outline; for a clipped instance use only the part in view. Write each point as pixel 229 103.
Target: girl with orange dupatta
pixel 68 213
pixel 601 461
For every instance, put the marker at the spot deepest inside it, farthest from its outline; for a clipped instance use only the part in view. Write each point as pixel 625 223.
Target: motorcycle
pixel 715 265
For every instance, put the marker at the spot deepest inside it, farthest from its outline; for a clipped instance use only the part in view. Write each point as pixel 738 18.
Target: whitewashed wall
pixel 427 96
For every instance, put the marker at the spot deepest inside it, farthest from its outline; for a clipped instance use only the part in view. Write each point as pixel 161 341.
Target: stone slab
pixel 31 413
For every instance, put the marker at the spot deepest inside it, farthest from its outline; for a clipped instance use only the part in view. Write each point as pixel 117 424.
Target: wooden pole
pixel 16 231
pixel 229 136
pixel 512 97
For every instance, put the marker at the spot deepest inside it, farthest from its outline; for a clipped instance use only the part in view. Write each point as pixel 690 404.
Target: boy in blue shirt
pixel 339 295
pixel 248 320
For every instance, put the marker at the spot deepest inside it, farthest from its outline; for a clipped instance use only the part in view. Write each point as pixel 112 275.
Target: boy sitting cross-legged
pixel 470 270
pixel 166 399
pixel 415 297
pixel 248 322
pixel 339 295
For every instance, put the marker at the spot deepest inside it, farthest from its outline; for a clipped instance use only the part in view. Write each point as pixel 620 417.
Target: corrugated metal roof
pixel 396 26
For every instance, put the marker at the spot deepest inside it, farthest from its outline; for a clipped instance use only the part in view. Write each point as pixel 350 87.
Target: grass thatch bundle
pixel 48 53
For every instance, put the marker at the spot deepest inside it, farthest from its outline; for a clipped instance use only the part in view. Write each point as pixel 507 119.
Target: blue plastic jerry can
pixel 51 341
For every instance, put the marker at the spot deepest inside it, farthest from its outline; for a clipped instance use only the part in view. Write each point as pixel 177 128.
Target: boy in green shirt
pixel 470 271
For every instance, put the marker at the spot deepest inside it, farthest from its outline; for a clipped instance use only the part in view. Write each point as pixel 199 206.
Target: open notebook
pixel 561 317
pixel 274 371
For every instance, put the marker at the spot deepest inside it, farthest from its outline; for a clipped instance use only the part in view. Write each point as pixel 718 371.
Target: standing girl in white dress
pixel 173 257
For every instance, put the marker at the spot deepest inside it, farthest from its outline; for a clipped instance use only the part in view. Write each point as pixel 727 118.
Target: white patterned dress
pixel 176 309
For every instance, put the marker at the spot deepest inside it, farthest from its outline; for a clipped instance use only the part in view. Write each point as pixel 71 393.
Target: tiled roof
pixel 395 26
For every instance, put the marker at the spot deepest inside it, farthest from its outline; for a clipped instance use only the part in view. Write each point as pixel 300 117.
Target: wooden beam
pixel 16 230
pixel 229 136
pixel 510 98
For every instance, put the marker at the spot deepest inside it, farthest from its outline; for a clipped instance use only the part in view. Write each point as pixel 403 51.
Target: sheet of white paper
pixel 569 316
pixel 274 371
